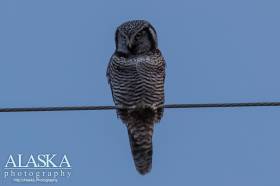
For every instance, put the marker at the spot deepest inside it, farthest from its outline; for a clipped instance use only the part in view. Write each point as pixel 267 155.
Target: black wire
pixel 199 105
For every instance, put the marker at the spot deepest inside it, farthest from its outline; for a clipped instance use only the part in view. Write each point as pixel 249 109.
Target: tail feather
pixel 140 138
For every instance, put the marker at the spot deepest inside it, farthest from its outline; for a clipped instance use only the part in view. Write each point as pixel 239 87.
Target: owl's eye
pixel 123 37
pixel 139 35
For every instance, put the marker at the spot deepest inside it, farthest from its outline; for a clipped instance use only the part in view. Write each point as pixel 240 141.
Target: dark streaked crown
pixel 131 27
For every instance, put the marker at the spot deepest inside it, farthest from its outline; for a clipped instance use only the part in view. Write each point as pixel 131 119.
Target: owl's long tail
pixel 140 132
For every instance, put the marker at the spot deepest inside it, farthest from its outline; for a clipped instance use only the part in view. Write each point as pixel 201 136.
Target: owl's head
pixel 135 37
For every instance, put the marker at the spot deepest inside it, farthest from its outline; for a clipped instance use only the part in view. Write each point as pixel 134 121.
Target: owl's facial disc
pixel 141 42
pixel 121 44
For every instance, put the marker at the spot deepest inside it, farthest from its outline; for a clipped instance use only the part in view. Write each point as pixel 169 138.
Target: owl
pixel 136 74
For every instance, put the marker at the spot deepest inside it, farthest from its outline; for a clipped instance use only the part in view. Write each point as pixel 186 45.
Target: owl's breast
pixel 136 81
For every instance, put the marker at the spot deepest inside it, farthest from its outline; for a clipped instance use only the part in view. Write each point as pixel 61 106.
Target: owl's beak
pixel 129 43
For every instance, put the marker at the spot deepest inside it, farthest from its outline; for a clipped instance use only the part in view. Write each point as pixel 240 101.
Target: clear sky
pixel 55 53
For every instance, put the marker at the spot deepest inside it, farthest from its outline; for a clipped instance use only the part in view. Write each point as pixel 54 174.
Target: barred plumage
pixel 136 74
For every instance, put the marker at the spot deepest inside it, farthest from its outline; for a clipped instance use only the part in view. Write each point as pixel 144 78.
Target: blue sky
pixel 55 53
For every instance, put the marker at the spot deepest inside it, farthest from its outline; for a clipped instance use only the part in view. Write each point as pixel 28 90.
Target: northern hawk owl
pixel 136 74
